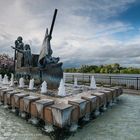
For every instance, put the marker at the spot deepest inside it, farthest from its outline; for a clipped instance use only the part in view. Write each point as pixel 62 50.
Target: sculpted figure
pixel 19 56
pixel 27 56
pixel 45 56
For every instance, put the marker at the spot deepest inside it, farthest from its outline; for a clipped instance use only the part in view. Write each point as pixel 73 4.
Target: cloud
pixel 83 33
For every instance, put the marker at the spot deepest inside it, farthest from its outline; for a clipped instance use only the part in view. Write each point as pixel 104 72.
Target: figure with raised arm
pixel 27 56
pixel 18 55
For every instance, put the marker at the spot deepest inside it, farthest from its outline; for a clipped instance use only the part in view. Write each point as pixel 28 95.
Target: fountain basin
pixel 58 111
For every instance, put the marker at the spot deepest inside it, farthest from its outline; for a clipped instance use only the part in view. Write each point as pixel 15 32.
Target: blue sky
pixel 86 31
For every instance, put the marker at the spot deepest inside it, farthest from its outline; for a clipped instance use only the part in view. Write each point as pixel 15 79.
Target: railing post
pixel 73 78
pixel 83 79
pixel 110 79
pixel 89 79
pixel 137 83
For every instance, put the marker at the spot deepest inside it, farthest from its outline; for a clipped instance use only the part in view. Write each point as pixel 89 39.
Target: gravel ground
pixel 121 122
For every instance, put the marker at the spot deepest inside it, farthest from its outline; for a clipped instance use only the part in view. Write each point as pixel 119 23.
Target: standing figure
pixel 27 56
pixel 18 55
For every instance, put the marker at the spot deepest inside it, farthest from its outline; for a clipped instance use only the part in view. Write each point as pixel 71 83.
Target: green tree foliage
pixel 6 64
pixel 111 68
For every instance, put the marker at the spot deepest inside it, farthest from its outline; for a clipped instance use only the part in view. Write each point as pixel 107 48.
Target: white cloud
pixel 80 34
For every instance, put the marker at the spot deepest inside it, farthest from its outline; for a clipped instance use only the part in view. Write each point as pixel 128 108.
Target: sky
pixel 86 32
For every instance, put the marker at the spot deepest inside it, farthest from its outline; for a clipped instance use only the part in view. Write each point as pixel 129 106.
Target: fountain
pixel 5 80
pixel 33 120
pixel 75 82
pixel 21 83
pixel 61 89
pixel 48 128
pixel 31 84
pixel 97 112
pixel 12 80
pixel 73 127
pixel 44 87
pixel 93 83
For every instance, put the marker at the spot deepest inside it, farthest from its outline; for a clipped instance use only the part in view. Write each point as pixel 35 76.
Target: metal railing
pixel 126 81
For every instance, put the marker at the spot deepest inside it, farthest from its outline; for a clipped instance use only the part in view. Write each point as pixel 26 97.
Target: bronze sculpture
pixel 45 56
pixel 26 55
pixel 41 67
pixel 19 56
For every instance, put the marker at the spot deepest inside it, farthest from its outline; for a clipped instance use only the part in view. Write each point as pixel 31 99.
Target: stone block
pixel 3 92
pixel 83 106
pixel 119 90
pixel 41 104
pixel 27 102
pixel 114 91
pixel 16 99
pixel 33 111
pixel 93 101
pixel 8 96
pixel 21 104
pixel 101 97
pixel 61 114
pixel 0 92
pixel 48 116
pixel 109 95
pixel 75 114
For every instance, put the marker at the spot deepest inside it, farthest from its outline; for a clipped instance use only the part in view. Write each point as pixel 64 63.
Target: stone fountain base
pixel 62 112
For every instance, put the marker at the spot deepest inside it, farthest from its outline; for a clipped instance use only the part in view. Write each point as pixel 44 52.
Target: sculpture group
pixel 43 66
pixel 22 53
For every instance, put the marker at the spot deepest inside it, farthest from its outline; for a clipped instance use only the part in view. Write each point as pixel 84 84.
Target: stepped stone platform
pixel 61 112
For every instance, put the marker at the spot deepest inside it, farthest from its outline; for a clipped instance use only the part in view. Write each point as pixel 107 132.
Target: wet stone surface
pixel 119 122
pixel 13 127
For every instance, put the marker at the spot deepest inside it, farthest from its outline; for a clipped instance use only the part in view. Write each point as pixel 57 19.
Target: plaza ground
pixel 120 122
